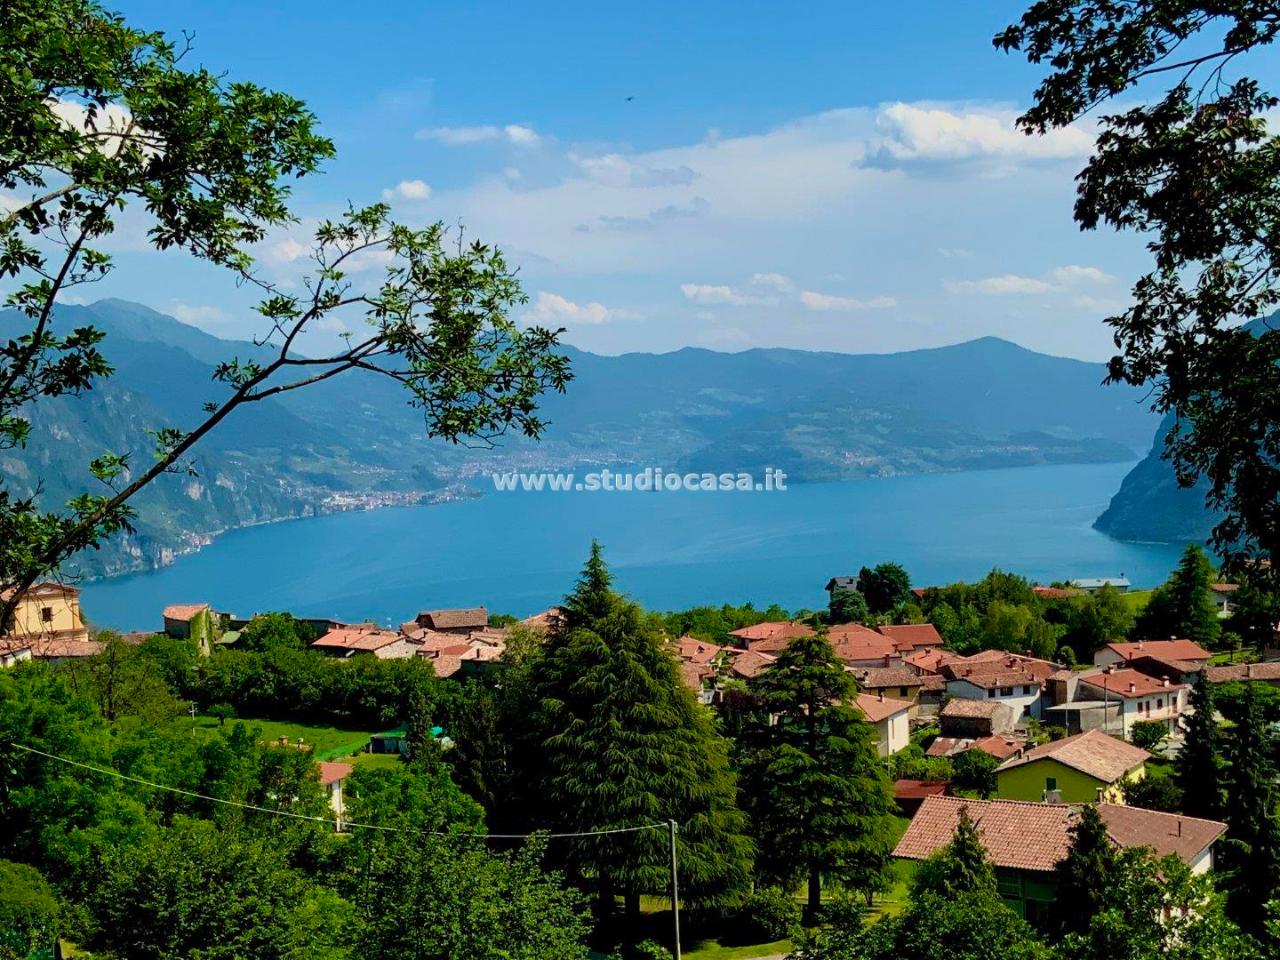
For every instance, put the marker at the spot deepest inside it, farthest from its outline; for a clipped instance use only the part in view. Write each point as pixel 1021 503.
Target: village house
pixel 746 665
pixel 1142 697
pixel 46 611
pixel 890 718
pixel 1025 841
pixel 547 621
pixel 769 637
pixel 1187 651
pixel 1223 595
pixel 1268 673
pixel 860 647
pixel 453 621
pixel 1085 768
pixel 913 637
pixel 347 642
pixel 898 683
pixel 909 794
pixel 331 777
pixel 841 584
pixel 1009 678
pixel 1094 584
pixel 963 717
pixel 998 745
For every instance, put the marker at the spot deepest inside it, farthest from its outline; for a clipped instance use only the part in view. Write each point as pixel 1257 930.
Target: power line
pixel 106 771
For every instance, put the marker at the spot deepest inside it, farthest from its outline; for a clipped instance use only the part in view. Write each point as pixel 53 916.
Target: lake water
pixel 519 552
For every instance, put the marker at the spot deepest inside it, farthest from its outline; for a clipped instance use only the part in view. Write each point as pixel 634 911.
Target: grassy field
pixel 1136 600
pixel 328 743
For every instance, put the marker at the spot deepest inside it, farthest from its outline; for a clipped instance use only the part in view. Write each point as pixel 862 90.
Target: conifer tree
pixel 624 744
pixel 1199 765
pixel 1252 828
pixel 817 793
pixel 1183 606
pixel 1087 875
pixel 961 867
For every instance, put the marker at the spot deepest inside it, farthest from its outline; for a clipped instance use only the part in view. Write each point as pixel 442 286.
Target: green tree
pixel 1088 875
pixel 1254 849
pixel 1183 606
pixel 272 631
pixel 97 117
pixel 1149 734
pixel 848 606
pixel 975 770
pixel 192 890
pixel 1099 618
pixel 816 791
pixel 622 744
pixel 1154 793
pixel 32 916
pixel 123 681
pixel 959 868
pixel 451 898
pixel 1198 769
pixel 885 586
pixel 1190 165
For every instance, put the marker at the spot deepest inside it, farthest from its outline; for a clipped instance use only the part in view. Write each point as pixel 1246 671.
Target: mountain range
pixel 354 441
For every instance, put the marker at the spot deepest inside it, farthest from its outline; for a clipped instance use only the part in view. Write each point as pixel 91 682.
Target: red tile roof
pixel 1093 753
pixel 880 708
pixel 183 612
pixel 1129 683
pixel 1033 836
pixel 877 677
pixel 771 636
pixel 43 648
pixel 1243 671
pixel 851 648
pixel 359 639
pixel 1016 835
pixel 1057 593
pixel 999 746
pixel 749 664
pixel 697 651
pixel 908 636
pixel 1165 649
pixel 1164 833
pixel 917 789
pixel 333 772
pixel 971 709
pixel 454 619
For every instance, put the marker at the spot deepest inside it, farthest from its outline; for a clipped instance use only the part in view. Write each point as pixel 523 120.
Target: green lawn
pixel 328 743
pixel 1136 600
pixel 710 950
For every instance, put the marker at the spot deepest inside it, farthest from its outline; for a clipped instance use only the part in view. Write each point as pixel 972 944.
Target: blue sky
pixel 824 176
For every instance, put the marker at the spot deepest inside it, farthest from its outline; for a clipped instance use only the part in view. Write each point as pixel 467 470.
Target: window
pixel 1051 783
pixel 1159 703
pixel 991 693
pixel 902 692
pixel 1006 691
pixel 46 614
pixel 1027 690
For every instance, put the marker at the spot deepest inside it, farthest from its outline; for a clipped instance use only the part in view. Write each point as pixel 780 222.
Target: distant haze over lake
pixel 520 552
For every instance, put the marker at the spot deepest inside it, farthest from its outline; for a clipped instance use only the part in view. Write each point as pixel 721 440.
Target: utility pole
pixel 675 891
pixel 192 711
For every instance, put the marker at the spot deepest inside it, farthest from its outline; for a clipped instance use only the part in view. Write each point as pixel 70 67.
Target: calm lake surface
pixel 519 552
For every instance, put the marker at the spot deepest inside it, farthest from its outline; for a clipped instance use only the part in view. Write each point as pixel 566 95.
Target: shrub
pixel 769 914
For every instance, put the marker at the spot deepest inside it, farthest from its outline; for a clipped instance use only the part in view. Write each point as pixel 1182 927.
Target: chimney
pixel 1164 681
pixel 1179 826
pixel 887 659
pixel 882 694
pixel 1139 644
pixel 1133 687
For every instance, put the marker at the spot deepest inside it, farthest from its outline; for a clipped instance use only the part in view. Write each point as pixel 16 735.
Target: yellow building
pixel 1087 768
pixel 47 611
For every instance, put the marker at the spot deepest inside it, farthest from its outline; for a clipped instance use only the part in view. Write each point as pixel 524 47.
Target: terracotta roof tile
pixel 454 619
pixel 333 772
pixel 356 639
pixel 183 612
pixel 1093 753
pixel 1243 671
pixel 749 664
pixel 880 708
pixel 876 677
pixel 1033 836
pixel 1129 683
pixel 1166 649
pixel 910 636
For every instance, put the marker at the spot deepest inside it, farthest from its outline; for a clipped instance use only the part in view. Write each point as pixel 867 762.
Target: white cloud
pixel 1057 280
pixel 513 133
pixel 826 302
pixel 553 310
pixel 287 250
pixel 913 135
pixel 615 170
pixel 1006 285
pixel 1072 275
pixel 777 281
pixel 706 293
pixel 197 315
pixel 1098 304
pixel 408 190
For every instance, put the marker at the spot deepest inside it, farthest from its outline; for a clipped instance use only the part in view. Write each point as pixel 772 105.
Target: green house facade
pixel 1090 767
